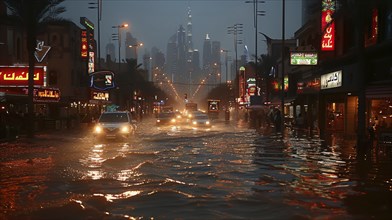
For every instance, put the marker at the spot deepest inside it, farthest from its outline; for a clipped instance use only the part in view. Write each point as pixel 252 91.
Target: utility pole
pixel 283 56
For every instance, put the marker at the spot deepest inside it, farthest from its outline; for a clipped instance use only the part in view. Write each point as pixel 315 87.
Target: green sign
pixel 303 58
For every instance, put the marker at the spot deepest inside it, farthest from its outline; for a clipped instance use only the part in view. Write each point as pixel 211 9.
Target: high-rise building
pixel 130 52
pixel 189 40
pixel 171 56
pixel 207 53
pixel 110 52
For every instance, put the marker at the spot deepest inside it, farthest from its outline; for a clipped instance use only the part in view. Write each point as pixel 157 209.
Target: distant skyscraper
pixel 189 40
pixel 171 56
pixel 130 52
pixel 196 60
pixel 207 53
pixel 110 51
pixel 215 52
pixel 182 72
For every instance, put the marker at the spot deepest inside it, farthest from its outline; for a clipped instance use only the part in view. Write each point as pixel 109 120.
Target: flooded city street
pixel 226 172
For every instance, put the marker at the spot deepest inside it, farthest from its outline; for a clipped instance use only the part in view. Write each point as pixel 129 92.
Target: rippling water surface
pixel 227 172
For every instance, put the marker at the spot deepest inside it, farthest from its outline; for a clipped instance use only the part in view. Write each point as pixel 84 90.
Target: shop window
pixel 381 113
pixel 335 117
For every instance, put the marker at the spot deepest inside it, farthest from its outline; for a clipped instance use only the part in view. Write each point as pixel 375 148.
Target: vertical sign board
pixel 327 25
pixel 84 45
pixel 242 82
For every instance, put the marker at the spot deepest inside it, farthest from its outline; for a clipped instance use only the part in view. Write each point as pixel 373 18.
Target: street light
pixel 282 82
pixel 236 29
pixel 98 6
pixel 256 13
pixel 135 46
pixel 119 43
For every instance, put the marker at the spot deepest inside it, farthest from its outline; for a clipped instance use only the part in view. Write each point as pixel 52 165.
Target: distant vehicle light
pixel 98 129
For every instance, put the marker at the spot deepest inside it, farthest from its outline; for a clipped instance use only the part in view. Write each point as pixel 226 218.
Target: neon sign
pixel 303 58
pixel 19 76
pixel 327 25
pixel 102 80
pixel 84 44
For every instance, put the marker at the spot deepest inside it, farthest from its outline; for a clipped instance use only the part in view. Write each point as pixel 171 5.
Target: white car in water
pixel 117 124
pixel 200 120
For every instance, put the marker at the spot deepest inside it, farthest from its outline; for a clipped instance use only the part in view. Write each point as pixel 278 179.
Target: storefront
pixel 379 108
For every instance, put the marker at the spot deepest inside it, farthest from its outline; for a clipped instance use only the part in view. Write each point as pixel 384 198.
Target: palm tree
pixel 31 15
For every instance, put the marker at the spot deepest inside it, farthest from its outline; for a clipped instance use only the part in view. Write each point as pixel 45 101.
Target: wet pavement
pixel 226 172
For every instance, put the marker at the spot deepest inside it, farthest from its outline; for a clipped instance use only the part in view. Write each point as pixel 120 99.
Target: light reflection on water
pixel 231 173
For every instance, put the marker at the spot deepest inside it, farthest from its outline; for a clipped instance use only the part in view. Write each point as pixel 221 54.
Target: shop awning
pixel 379 91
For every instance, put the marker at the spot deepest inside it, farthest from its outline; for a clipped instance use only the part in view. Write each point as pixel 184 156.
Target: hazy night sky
pixel 154 21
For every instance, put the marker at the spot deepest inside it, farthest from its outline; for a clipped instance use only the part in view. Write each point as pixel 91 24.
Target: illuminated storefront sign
pixel 90 62
pixel 40 94
pixel 19 76
pixel 303 58
pixel 308 86
pixel 242 82
pixel 84 44
pixel 100 96
pixel 46 95
pixel 331 80
pixel 277 85
pixel 41 51
pixel 327 25
pixel 102 80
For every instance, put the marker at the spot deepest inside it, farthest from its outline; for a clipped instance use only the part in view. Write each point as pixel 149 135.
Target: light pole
pixel 235 30
pixel 119 42
pixel 282 82
pixel 135 46
pixel 98 6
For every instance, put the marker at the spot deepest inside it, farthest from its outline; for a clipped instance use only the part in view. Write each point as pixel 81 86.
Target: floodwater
pixel 226 172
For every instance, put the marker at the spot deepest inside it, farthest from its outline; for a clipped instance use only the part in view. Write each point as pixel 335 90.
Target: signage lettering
pixel 19 76
pixel 331 80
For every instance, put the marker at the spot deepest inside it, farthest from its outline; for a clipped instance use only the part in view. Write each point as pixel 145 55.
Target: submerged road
pixel 226 172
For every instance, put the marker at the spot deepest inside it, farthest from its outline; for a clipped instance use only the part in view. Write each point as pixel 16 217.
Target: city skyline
pixel 153 22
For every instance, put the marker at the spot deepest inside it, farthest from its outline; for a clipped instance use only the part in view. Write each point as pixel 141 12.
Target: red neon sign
pixel 19 76
pixel 84 48
pixel 327 25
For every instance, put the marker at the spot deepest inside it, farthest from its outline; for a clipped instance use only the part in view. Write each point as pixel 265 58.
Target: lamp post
pixel 235 30
pixel 98 6
pixel 135 46
pixel 119 42
pixel 282 82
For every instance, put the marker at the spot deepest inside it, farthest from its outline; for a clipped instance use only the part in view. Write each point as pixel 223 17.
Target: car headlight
pixel 98 129
pixel 124 129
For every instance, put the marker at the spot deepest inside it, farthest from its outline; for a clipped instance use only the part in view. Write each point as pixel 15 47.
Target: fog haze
pixel 154 21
